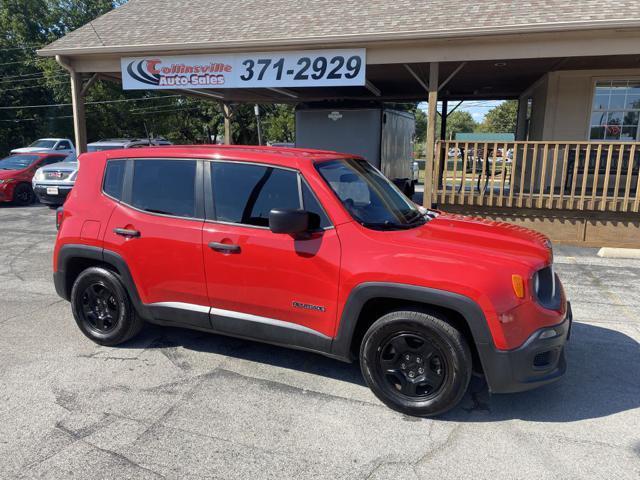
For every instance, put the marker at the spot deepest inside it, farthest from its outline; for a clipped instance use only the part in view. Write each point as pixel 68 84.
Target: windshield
pixel 43 143
pixel 100 148
pixel 17 162
pixel 369 196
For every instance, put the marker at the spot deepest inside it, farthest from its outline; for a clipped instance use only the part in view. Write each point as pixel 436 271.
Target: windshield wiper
pixel 388 225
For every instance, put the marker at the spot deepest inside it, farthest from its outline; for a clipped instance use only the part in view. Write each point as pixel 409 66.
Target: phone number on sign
pixel 307 68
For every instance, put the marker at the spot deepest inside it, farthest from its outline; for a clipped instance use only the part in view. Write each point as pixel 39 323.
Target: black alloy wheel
pixel 411 365
pixel 416 362
pixel 100 307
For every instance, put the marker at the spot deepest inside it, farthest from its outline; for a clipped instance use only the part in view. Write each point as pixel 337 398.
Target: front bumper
pixel 540 360
pixel 44 197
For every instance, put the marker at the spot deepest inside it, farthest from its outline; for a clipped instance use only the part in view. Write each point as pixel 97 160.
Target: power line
pixel 34 79
pixel 102 102
pixel 31 86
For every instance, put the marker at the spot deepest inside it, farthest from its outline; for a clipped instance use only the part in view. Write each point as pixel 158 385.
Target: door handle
pixel 125 232
pixel 224 247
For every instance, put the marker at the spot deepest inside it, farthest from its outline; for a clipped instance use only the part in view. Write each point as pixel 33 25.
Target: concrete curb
pixel 608 252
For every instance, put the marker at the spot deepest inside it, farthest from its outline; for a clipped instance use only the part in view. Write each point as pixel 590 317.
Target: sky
pixel 477 108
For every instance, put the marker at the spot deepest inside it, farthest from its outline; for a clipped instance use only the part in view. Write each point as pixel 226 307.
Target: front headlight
pixel 73 176
pixel 39 175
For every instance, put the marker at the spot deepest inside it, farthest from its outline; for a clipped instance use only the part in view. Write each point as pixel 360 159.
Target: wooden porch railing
pixel 540 175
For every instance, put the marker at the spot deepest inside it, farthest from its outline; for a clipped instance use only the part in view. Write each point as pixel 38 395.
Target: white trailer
pixel 381 135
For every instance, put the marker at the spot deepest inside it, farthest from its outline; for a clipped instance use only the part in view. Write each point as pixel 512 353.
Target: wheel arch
pixel 369 301
pixel 73 259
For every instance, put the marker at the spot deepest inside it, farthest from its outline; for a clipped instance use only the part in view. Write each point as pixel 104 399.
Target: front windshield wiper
pixel 389 225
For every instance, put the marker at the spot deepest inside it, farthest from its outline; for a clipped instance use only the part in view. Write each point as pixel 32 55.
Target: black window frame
pixel 127 185
pixel 209 202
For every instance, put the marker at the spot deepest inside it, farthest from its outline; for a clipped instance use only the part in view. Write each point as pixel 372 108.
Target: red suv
pixel 312 250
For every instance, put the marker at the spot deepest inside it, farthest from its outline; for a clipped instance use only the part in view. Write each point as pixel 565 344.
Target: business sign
pixel 305 68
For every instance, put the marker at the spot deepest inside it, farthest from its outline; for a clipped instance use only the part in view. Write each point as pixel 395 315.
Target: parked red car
pixel 16 173
pixel 312 250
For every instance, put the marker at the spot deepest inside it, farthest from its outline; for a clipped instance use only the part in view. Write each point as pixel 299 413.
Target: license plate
pixel 52 190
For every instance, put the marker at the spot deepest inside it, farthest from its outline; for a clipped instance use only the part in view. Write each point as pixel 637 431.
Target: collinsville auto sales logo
pixel 153 72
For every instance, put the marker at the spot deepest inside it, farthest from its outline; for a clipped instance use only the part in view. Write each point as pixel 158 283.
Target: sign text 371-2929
pixel 305 68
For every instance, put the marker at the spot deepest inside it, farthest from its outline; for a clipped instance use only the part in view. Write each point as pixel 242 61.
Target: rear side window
pixel 113 178
pixel 246 194
pixel 165 186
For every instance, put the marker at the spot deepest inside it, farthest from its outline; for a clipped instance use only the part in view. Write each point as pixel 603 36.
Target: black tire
pixel 102 309
pixel 23 195
pixel 402 343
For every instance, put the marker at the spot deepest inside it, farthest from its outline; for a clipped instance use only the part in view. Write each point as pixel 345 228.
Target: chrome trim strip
pixel 265 320
pixel 182 306
pixel 238 315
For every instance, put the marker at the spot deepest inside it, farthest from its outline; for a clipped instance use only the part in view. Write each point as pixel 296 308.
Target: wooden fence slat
pixel 522 174
pixel 605 186
pixel 585 174
pixel 503 175
pixel 627 187
pixel 512 173
pixel 463 181
pixel 563 179
pixel 543 174
pixel 574 178
pixel 445 171
pixel 493 172
pixel 554 168
pixel 636 204
pixel 483 175
pixel 596 174
pixel 456 157
pixel 532 181
pixel 616 186
pixel 474 173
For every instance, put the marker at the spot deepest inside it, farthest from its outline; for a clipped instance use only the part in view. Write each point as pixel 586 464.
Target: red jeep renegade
pixel 312 250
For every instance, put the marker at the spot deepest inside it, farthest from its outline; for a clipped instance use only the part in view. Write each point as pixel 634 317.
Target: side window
pixel 312 205
pixel 246 194
pixel 113 177
pixel 63 146
pixel 165 186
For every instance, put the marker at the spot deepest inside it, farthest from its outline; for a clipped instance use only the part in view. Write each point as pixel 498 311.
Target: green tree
pixel 459 122
pixel 500 119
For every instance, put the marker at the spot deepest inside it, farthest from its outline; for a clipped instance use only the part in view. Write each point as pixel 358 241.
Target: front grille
pixel 57 174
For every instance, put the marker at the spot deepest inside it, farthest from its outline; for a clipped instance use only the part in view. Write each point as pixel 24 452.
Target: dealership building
pixel 574 67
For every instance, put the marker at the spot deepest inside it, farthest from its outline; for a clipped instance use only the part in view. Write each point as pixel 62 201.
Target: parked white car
pixel 48 145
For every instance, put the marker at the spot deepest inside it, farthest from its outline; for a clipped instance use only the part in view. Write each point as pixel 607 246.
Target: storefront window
pixel 616 111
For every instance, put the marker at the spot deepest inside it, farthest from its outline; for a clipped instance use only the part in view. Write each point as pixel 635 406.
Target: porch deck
pixel 581 193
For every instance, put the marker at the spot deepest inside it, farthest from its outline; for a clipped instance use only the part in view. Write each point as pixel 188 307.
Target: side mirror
pixel 292 222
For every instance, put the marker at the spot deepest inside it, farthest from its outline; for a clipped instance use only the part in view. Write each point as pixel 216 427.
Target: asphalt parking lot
pixel 181 404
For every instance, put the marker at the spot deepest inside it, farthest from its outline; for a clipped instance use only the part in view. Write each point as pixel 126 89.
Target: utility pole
pixel 256 110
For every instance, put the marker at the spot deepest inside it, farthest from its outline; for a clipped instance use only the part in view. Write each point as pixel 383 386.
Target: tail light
pixel 59 217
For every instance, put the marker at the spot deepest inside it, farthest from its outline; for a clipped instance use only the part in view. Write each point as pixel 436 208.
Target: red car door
pixel 261 284
pixel 157 230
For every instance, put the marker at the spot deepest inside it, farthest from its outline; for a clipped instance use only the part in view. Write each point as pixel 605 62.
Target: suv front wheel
pixel 102 309
pixel 416 362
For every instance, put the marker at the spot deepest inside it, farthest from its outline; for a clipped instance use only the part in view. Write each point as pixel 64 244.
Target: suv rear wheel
pixel 416 362
pixel 102 309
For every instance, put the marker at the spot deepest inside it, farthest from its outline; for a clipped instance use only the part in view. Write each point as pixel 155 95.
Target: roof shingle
pixel 167 22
